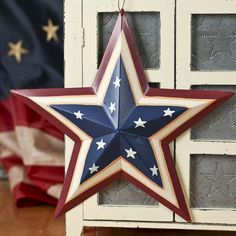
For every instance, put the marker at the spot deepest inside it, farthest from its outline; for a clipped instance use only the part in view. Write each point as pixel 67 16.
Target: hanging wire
pixel 121 6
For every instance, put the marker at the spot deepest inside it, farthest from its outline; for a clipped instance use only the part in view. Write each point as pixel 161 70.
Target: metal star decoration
pixel 121 127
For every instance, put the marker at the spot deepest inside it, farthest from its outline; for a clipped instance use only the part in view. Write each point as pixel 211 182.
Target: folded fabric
pixel 31 49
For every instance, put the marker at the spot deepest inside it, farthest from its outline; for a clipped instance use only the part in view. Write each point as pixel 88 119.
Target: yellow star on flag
pixel 16 50
pixel 51 31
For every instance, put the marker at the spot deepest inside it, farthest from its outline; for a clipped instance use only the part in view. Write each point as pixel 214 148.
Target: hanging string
pixel 122 7
pixel 121 10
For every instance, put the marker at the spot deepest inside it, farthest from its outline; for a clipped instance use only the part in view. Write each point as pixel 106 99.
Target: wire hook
pixel 122 7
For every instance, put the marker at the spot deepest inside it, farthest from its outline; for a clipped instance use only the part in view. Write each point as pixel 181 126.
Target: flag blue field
pixel 31 56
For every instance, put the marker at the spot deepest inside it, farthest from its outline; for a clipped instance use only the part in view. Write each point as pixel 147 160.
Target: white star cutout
pixel 130 153
pixel 93 169
pixel 168 112
pixel 78 115
pixel 117 82
pixel 112 107
pixel 154 170
pixel 140 123
pixel 100 144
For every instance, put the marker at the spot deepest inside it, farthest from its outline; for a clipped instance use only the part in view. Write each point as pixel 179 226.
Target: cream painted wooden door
pixel 206 154
pixel 183 44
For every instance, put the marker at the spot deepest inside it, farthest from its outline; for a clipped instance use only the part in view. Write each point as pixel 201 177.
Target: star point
pixel 93 169
pixel 130 153
pixel 168 112
pixel 101 144
pixel 51 31
pixel 16 50
pixel 140 123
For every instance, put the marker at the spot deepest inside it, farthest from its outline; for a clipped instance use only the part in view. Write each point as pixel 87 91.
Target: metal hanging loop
pixel 122 7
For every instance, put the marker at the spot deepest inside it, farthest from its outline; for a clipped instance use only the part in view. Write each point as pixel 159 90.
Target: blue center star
pixel 120 128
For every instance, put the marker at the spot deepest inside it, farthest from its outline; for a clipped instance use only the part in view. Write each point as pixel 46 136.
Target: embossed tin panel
pixel 212 181
pixel 145 27
pixel 213 42
pixel 123 193
pixel 219 124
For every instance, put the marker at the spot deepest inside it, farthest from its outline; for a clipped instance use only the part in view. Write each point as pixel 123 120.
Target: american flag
pixel 31 56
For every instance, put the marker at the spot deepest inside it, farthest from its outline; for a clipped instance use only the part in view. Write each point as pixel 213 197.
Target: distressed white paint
pixel 73 78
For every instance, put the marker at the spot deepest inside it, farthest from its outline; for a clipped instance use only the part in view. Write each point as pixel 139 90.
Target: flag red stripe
pixel 11 161
pixel 6 121
pixel 15 113
pixel 45 176
pixel 26 195
pixel 42 176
